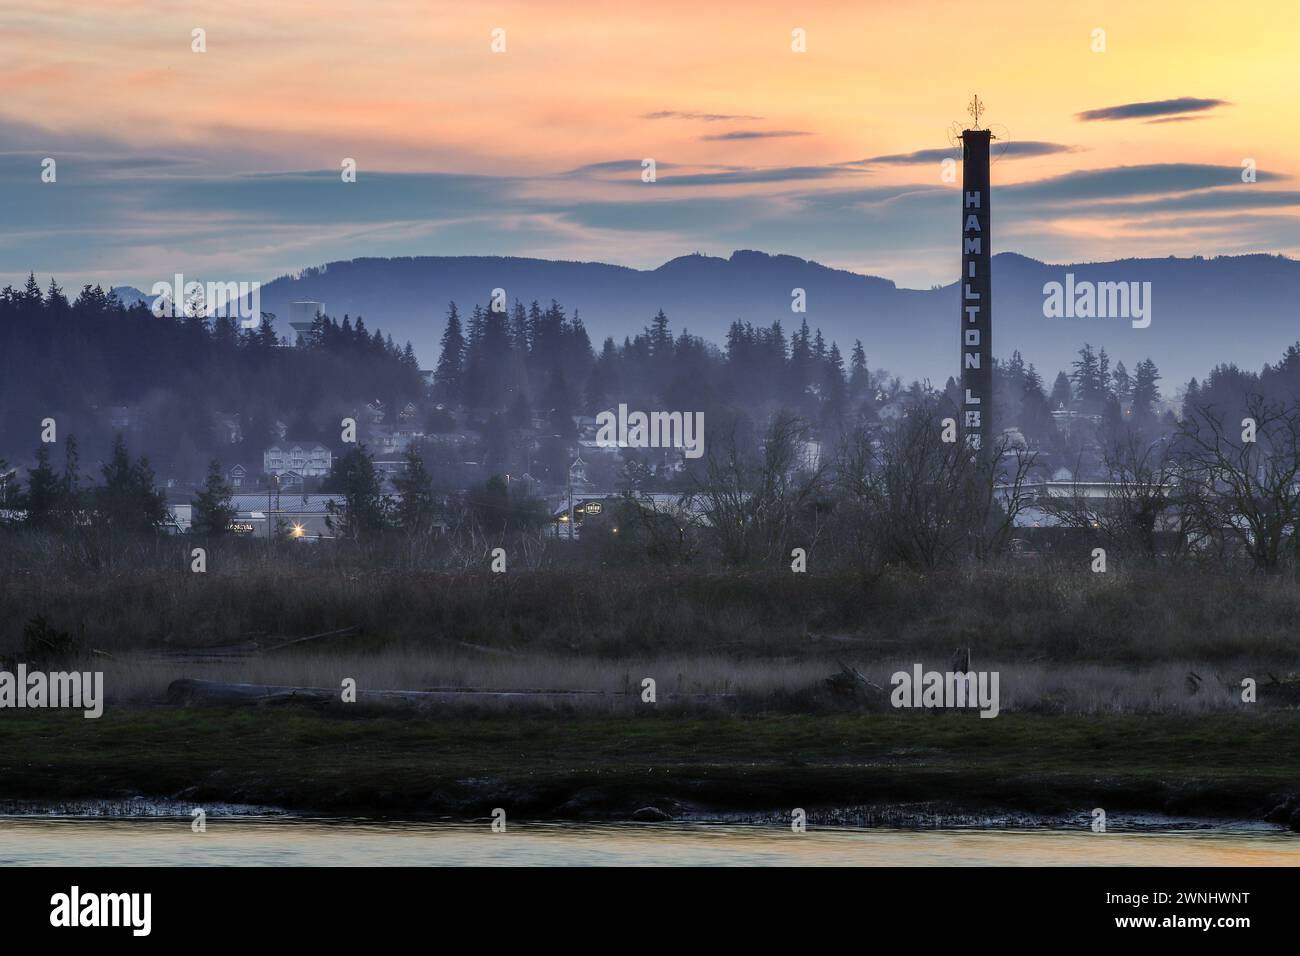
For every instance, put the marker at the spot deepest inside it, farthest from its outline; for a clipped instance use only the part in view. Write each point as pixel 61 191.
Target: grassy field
pixel 585 767
pixel 1065 642
pixel 1097 707
pixel 1026 612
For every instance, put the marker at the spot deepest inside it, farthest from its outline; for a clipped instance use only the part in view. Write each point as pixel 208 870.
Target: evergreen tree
pixel 1015 370
pixel 32 292
pixel 1033 383
pixel 416 510
pixel 1192 399
pixel 493 353
pixel 211 512
pixel 1146 391
pixel 448 377
pixel 473 387
pixel 1062 395
pixel 519 330
pixel 1122 383
pixel 43 495
pixel 1036 422
pixel 859 374
pixel 362 513
pixel 661 338
pixel 801 363
pixel 127 502
pixel 836 387
pixel 1088 379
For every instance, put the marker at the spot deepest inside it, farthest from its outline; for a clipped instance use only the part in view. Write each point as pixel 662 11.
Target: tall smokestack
pixel 976 290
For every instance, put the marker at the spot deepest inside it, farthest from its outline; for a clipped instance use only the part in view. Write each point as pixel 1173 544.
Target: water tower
pixel 301 316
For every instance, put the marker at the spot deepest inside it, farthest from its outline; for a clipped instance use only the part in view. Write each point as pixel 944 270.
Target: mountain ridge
pixel 1240 308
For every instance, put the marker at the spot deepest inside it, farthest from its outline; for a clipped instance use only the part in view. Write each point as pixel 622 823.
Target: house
pixel 395 441
pixel 238 477
pixel 297 460
pixel 578 473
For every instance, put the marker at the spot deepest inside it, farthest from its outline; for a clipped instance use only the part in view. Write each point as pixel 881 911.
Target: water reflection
pixel 287 842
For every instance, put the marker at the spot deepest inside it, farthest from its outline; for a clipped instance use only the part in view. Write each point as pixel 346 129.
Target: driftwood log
pixel 851 681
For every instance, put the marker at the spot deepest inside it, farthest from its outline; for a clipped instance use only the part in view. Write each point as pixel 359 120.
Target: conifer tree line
pixel 61 498
pixel 526 365
pixel 509 381
pixel 184 378
pixel 532 363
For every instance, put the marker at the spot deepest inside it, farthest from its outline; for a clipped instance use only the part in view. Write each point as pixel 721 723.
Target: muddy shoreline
pixel 855 770
pixel 882 816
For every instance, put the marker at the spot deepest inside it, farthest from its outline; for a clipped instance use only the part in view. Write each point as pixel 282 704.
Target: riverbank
pixel 554 766
pixel 252 842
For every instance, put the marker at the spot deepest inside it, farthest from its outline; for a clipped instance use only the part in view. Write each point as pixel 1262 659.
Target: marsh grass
pixel 700 683
pixel 1064 641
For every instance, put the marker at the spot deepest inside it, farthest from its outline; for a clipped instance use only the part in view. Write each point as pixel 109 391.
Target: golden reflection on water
pixel 93 842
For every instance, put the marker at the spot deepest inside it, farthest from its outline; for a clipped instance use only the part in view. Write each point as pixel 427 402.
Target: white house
pixel 304 459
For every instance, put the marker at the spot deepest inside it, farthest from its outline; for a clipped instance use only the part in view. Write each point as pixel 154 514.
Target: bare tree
pixel 1139 499
pixel 927 502
pixel 754 498
pixel 1244 489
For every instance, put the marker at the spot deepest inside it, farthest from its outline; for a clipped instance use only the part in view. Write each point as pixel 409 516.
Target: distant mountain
pixel 1241 309
pixel 129 295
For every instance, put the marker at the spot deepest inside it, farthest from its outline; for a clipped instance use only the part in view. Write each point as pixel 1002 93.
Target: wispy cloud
pixel 631 166
pixel 768 174
pixel 757 134
pixel 1183 104
pixel 629 170
pixel 706 117
pixel 921 157
pixel 1122 182
pixel 1175 119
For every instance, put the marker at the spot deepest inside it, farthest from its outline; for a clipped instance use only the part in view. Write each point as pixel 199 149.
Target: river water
pixel 300 842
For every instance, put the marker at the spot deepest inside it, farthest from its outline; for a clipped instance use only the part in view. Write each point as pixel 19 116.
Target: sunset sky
pixel 226 164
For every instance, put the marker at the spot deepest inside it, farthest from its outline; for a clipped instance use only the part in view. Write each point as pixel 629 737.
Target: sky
pixel 226 164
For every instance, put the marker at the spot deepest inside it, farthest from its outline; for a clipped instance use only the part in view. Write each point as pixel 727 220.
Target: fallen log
pixel 850 681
